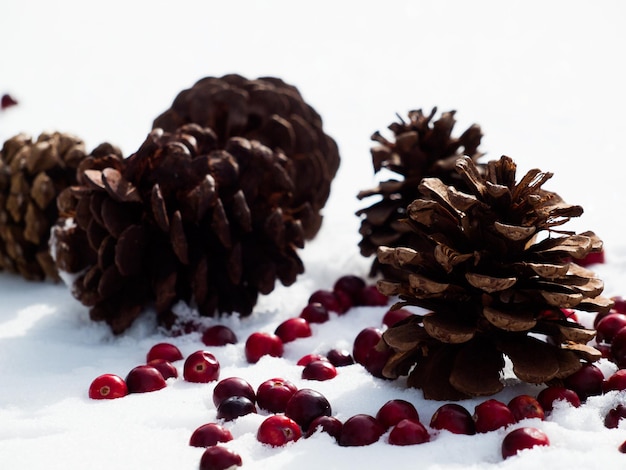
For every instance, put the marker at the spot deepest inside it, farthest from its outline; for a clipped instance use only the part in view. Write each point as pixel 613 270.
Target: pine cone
pixel 421 148
pixel 32 174
pixel 184 218
pixel 273 113
pixel 494 272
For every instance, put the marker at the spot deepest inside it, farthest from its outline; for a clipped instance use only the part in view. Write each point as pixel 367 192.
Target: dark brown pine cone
pixel 185 218
pixel 495 273
pixel 32 174
pixel 421 148
pixel 273 113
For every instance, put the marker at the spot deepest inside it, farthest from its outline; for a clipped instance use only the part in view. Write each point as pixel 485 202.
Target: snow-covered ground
pixel 545 80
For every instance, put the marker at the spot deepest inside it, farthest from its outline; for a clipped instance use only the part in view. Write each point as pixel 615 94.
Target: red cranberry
pixel 328 299
pixel 292 329
pixel 453 418
pixel 360 430
pixel 234 407
pixel 408 432
pixel 614 416
pixel 278 430
pixel 328 424
pixel 617 381
pixel 315 313
pixel 273 394
pixel 618 348
pixel 350 285
pixel 144 379
pixel 261 344
pixel 491 415
pixel 166 368
pixel 308 358
pixel 523 438
pixel 305 405
pixel 608 327
pixel 525 407
pixel 319 370
pixel 548 396
pixel 7 101
pixel 340 357
pixel 371 297
pixel 605 350
pixel 209 435
pixel 619 304
pixel 394 411
pixel 201 367
pixel 219 458
pixel 166 351
pixel 232 387
pixel 586 381
pixel 394 316
pixel 107 387
pixel 364 343
pixel 345 302
pixel 622 447
pixel 595 257
pixel 218 335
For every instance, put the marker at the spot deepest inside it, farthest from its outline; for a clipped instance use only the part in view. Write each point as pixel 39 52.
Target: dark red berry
pixel 308 358
pixel 394 411
pixel 328 424
pixel 292 329
pixel 166 368
pixel 278 430
pixel 328 299
pixel 201 367
pixel 305 405
pixel 7 101
pixel 234 407
pixel 340 357
pixel 622 447
pixel 523 438
pixel 618 348
pixel 350 285
pixel 166 351
pixel 364 343
pixel 453 418
pixel 273 394
pixel 394 316
pixel 144 379
pixel 360 430
pixel 617 381
pixel 586 381
pixel 209 435
pixel 595 257
pixel 548 396
pixel 408 432
pixel 491 415
pixel 107 387
pixel 525 407
pixel 232 387
pixel 219 458
pixel 315 313
pixel 614 416
pixel 218 335
pixel 262 344
pixel 370 296
pixel 319 370
pixel 619 304
pixel 608 327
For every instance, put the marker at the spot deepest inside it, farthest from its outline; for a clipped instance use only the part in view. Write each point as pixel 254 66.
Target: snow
pixel 543 79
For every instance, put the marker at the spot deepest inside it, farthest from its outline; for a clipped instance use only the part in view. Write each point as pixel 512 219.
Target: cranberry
pixel 107 387
pixel 618 348
pixel 394 316
pixel 622 447
pixel 209 435
pixel 408 432
pixel 394 411
pixel 525 407
pixel 345 302
pixel 219 458
pixel 360 430
pixel 261 344
pixel 166 368
pixel 605 350
pixel 273 394
pixel 549 395
pixel 364 343
pixel 278 430
pixel 352 286
pixel 166 351
pixel 371 297
pixel 308 358
pixel 595 257
pixel 453 418
pixel 319 370
pixel 523 438
pixel 218 335
pixel 614 416
pixel 491 415
pixel 608 327
pixel 234 407
pixel 144 379
pixel 340 357
pixel 586 381
pixel 328 299
pixel 619 304
pixel 315 313
pixel 201 367
pixel 617 381
pixel 328 424
pixel 232 387
pixel 376 361
pixel 305 405
pixel 7 101
pixel 292 329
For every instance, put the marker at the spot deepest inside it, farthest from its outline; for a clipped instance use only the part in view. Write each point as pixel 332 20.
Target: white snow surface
pixel 545 80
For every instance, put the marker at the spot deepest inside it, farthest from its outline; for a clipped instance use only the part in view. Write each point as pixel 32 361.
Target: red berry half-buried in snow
pixel 523 438
pixel 107 387
pixel 278 430
pixel 273 394
pixel 143 379
pixel 209 435
pixel 218 335
pixel 454 418
pixel 261 344
pixel 292 329
pixel 219 458
pixel 201 367
pixel 166 351
pixel 232 387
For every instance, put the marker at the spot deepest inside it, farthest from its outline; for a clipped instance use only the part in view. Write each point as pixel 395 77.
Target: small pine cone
pixel 421 148
pixel 184 218
pixel 32 174
pixel 273 113
pixel 494 273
